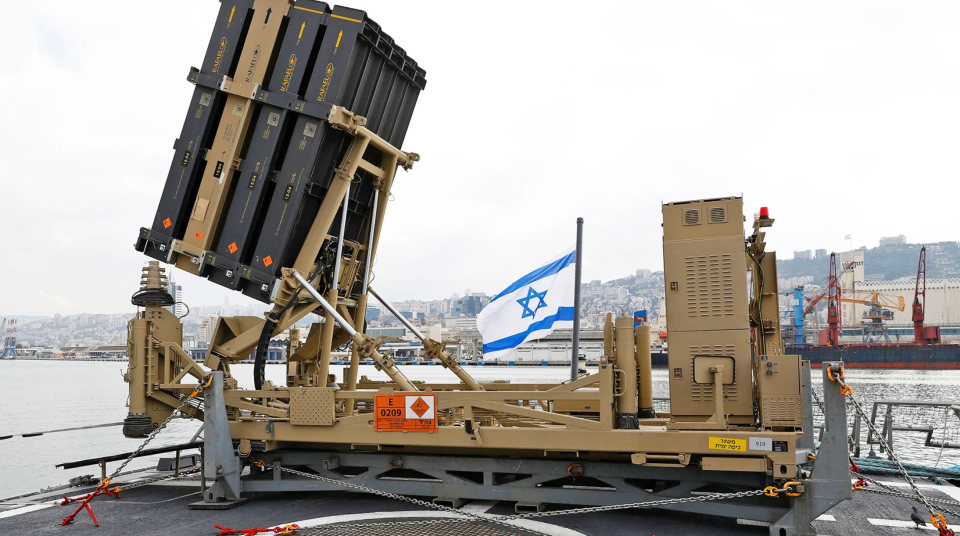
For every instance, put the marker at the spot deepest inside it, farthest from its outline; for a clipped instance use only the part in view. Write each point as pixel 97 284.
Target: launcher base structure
pixel 278 189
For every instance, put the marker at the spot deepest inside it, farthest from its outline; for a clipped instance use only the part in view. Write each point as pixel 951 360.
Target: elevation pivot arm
pixel 366 345
pixel 433 348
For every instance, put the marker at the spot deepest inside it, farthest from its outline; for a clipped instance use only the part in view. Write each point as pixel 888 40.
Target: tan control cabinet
pixel 707 309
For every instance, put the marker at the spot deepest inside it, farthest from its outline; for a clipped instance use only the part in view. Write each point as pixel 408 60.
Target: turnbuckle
pixel 839 378
pixel 788 489
pixel 202 386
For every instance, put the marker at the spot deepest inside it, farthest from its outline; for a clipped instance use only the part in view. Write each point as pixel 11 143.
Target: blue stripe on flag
pixel 538 274
pixel 506 343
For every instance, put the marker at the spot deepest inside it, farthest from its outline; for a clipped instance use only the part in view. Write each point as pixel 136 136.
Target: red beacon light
pixel 764 213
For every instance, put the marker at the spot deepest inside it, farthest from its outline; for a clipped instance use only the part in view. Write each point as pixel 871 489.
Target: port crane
pixel 881 308
pixel 922 335
pixel 834 295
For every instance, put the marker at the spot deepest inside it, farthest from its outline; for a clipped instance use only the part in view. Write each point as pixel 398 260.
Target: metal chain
pixel 157 430
pixel 505 520
pixel 146 482
pixel 883 443
pixel 652 504
pixel 816 397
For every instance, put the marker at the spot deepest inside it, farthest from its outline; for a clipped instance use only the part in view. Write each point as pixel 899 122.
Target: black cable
pixel 759 298
pixel 188 310
pixel 159 296
pixel 271 322
pixel 762 338
pixel 260 360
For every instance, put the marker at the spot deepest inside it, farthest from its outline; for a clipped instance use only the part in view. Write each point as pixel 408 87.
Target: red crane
pixel 813 303
pixel 833 304
pixel 922 335
pixel 833 296
pixel 918 293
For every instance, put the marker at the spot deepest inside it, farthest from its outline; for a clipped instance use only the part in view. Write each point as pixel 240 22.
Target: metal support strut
pixel 220 464
pixel 829 482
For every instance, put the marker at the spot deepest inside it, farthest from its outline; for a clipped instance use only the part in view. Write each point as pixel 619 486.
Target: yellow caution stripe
pixel 345 18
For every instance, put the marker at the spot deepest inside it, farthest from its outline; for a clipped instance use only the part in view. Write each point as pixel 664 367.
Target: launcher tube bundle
pixel 270 147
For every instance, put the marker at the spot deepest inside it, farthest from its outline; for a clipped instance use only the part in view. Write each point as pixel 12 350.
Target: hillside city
pixel 893 260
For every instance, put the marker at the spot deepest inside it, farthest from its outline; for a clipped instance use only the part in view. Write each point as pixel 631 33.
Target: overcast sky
pixel 842 117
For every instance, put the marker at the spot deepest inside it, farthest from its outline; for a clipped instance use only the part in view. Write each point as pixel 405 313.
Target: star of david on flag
pixel 525 302
pixel 530 308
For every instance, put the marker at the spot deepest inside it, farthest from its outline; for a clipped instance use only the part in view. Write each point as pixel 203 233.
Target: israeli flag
pixel 531 307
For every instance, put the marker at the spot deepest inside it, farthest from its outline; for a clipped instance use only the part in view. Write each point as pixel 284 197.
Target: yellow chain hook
pixel 938 520
pixel 202 386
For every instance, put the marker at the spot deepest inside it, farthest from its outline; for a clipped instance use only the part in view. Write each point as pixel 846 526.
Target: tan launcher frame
pixel 605 415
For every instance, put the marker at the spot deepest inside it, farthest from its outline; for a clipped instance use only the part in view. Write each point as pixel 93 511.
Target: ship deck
pixel 161 509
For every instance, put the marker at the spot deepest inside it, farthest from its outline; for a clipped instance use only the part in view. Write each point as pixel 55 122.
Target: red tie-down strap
pixel 285 529
pixel 861 482
pixel 102 489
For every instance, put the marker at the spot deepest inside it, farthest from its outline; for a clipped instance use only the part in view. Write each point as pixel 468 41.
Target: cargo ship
pixel 874 356
pixel 871 356
pixel 883 356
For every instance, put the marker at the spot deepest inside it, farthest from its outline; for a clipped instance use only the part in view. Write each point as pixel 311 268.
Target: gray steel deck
pixel 161 510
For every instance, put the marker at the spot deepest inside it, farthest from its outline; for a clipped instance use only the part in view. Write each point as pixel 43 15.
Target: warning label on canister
pixel 728 444
pixel 405 412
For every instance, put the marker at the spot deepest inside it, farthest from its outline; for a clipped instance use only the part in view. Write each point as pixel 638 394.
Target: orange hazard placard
pixel 405 412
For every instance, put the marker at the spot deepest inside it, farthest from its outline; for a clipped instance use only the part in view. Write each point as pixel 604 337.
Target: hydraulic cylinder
pixel 645 374
pixel 627 375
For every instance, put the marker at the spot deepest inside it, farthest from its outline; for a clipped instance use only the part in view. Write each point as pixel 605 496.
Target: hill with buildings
pixel 888 262
pixel 892 260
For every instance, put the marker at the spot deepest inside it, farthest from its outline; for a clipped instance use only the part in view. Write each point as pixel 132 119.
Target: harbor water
pixel 47 395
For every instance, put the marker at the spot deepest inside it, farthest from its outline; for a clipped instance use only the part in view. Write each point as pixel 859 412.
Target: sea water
pixel 37 396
